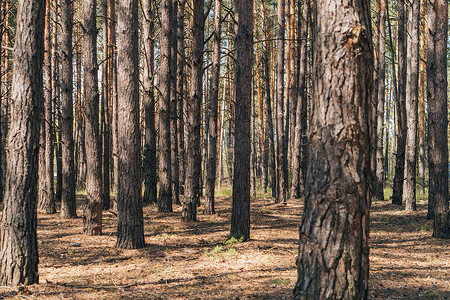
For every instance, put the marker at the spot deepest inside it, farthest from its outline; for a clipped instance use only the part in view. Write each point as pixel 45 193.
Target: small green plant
pixel 219 252
pixel 425 228
pixel 232 240
pixel 282 281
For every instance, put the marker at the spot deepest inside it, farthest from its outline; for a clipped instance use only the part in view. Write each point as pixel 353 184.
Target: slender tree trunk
pixel 80 142
pixel 18 239
pixel 412 90
pixel 68 198
pixel 130 227
pixel 180 92
pixel 113 96
pixel 213 105
pixel 92 218
pixel 150 170
pixel 401 105
pixel 193 147
pixel 333 260
pixel 240 214
pixel 281 113
pixel 165 172
pixel 56 105
pixel 422 85
pixel 437 35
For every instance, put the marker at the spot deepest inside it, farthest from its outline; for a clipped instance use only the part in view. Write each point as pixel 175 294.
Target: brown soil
pixel 190 261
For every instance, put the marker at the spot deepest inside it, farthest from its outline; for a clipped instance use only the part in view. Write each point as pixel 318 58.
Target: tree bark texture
pixel 181 80
pixel 193 147
pixel 18 239
pixel 422 85
pixel 68 198
pixel 130 227
pixel 333 260
pixel 92 218
pixel 240 213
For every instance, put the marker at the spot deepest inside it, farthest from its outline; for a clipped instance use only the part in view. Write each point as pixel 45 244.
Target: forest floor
pixel 191 261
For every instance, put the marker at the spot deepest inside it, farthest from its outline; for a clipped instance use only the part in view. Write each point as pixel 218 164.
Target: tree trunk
pixel 412 90
pixel 437 34
pixel 130 227
pixel 180 92
pixel 80 139
pixel 165 172
pixel 193 147
pixel 422 85
pixel 57 106
pixel 213 105
pixel 240 213
pixel 18 239
pixel 150 171
pixel 333 260
pixel 401 105
pixel 68 198
pixel 92 218
pixel 281 136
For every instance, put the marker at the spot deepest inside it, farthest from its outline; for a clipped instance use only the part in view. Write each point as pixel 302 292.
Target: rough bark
pixel 180 92
pixel 165 172
pixel 401 105
pixel 18 239
pixel 193 147
pixel 92 218
pixel 412 91
pixel 213 104
pixel 149 163
pixel 437 35
pixel 112 76
pixel 333 260
pixel 422 85
pixel 130 227
pixel 68 199
pixel 240 213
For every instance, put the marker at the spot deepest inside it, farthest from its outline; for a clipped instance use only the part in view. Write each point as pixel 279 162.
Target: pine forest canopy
pixel 161 103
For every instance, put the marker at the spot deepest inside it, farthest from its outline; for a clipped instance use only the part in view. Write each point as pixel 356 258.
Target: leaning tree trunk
pixel 193 148
pixel 213 105
pixel 438 116
pixel 412 90
pixel 240 214
pixel 165 177
pixel 68 200
pixel 149 160
pixel 92 218
pixel 333 260
pixel 18 239
pixel 401 106
pixel 130 227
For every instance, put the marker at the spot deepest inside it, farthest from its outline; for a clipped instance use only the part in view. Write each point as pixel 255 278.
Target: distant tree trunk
pixel 112 76
pixel 68 199
pixel 378 191
pixel 213 105
pixel 291 81
pixel 333 260
pixel 80 140
pixel 180 92
pixel 263 163
pixel 299 153
pixel 165 172
pixel 150 171
pixel 281 136
pixel 106 122
pixel 412 90
pixel 18 239
pixel 422 85
pixel 130 227
pixel 47 200
pixel 57 105
pixel 401 105
pixel 92 218
pixel 240 213
pixel 437 35
pixel 193 147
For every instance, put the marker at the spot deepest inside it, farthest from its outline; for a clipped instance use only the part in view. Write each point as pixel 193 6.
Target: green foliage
pixel 231 240
pixel 426 228
pixel 224 191
pixel 218 252
pixel 282 281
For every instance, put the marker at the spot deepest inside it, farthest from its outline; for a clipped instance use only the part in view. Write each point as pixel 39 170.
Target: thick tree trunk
pixel 180 92
pixel 18 239
pixel 281 113
pixel 130 227
pixel 438 116
pixel 193 147
pixel 213 105
pixel 47 199
pixel 240 214
pixel 68 199
pixel 401 105
pixel 92 218
pixel 165 172
pixel 150 171
pixel 412 90
pixel 333 260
